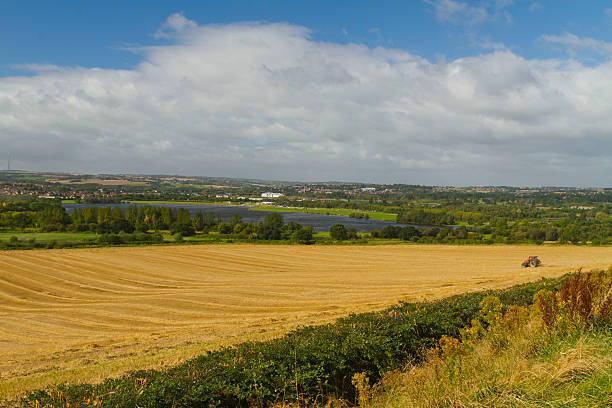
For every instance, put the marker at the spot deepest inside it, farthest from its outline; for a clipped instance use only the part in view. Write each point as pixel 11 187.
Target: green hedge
pixel 308 364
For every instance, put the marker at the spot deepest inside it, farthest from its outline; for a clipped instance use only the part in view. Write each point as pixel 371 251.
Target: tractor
pixel 532 261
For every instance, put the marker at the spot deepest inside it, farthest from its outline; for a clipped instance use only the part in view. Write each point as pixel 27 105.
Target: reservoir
pixel 318 222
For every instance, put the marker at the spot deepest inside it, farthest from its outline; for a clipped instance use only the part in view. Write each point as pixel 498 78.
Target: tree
pixel 391 231
pixel 552 234
pixel 408 232
pixel 183 228
pixel 236 219
pixel 198 221
pixel 121 224
pixel 271 228
pixel 225 228
pixel 303 236
pixel 293 226
pixel 338 232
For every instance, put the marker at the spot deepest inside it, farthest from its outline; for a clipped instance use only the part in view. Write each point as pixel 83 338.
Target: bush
pixel 304 365
pixel 110 239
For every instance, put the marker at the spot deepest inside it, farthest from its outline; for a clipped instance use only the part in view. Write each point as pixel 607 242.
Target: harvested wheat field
pixel 85 314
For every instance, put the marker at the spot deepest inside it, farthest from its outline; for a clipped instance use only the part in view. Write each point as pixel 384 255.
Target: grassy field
pixel 86 314
pixel 163 202
pixel 178 202
pixel 374 215
pixel 48 236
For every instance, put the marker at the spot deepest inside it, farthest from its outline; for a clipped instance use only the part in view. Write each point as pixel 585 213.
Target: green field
pixel 373 215
pixel 48 236
pixel 178 202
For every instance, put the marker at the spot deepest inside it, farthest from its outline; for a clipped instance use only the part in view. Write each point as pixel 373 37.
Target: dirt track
pixel 88 313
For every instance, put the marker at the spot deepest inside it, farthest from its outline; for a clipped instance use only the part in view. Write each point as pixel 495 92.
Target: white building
pixel 271 195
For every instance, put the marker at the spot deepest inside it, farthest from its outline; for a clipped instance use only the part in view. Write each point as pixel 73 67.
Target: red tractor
pixel 532 261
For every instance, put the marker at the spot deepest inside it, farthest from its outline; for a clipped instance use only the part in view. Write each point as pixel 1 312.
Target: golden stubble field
pixel 85 314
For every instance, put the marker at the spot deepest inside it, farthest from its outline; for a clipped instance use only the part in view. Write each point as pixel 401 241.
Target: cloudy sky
pixel 437 92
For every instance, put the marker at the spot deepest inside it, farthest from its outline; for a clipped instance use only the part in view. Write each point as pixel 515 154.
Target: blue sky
pixel 445 92
pixel 95 34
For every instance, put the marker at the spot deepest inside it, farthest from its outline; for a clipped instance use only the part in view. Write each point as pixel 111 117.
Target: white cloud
pixel 175 24
pixel 36 67
pixel 460 12
pixel 450 11
pixel 574 43
pixel 264 100
pixel 534 6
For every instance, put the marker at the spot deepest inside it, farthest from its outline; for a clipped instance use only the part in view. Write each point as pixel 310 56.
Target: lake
pixel 318 222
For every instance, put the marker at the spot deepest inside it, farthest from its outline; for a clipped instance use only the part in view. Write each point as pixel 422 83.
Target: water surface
pixel 318 222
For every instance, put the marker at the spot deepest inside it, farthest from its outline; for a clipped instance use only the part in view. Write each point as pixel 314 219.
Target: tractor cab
pixel 532 261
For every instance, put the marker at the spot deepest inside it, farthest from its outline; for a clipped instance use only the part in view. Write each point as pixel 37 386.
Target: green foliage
pixel 490 310
pixel 425 217
pixel 303 236
pixel 184 228
pixel 584 300
pixel 519 359
pixel 305 365
pixel 338 232
pixel 271 228
pixel 137 238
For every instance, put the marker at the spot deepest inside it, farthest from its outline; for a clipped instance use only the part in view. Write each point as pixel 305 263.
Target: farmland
pixel 87 314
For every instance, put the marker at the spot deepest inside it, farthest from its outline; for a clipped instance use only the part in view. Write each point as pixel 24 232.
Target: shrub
pixel 545 302
pixel 304 365
pixel 582 301
pixel 110 239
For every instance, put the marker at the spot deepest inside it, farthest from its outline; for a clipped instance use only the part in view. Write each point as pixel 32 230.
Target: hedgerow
pixel 307 365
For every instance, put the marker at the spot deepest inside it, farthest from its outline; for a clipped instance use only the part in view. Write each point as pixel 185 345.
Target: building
pixel 271 195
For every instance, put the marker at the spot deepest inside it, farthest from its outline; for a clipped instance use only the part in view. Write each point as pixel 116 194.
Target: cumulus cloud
pixel 175 24
pixel 265 100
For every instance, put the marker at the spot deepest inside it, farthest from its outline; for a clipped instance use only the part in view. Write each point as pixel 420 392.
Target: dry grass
pixel 531 370
pixel 85 314
pixel 520 362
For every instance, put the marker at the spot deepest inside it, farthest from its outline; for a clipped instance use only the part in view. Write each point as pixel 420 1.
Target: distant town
pixel 119 187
